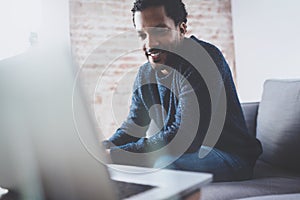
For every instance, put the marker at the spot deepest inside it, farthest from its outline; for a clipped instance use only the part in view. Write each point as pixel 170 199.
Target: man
pixel 171 81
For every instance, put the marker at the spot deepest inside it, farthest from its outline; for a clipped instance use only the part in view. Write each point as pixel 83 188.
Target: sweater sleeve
pixel 136 124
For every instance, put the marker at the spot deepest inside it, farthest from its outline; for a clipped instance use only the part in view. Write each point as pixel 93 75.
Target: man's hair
pixel 175 9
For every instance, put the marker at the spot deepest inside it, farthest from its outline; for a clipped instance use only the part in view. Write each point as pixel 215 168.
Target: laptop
pixel 50 148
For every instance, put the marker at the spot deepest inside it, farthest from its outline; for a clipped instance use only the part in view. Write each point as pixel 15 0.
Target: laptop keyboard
pixel 125 189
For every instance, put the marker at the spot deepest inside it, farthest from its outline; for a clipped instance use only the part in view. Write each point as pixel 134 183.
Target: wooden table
pixel 194 196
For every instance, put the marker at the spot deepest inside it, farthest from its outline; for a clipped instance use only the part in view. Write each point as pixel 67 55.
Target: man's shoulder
pixel 210 48
pixel 145 69
pixel 145 66
pixel 143 74
pixel 202 42
pixel 216 55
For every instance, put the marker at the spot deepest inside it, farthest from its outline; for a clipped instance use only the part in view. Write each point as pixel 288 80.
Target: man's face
pixel 157 31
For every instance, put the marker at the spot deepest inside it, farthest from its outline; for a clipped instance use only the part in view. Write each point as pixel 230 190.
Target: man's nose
pixel 152 41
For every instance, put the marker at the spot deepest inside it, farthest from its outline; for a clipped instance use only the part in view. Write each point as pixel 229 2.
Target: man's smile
pixel 155 55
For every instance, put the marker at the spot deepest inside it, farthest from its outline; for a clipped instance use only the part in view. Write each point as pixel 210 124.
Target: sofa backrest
pixel 278 123
pixel 250 113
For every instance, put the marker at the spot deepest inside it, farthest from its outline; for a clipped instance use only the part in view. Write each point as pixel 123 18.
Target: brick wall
pixel 107 79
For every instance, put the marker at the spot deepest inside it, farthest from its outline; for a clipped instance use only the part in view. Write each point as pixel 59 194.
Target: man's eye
pixel 161 31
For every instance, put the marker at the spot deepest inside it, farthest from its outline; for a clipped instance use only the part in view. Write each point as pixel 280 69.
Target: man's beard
pixel 171 57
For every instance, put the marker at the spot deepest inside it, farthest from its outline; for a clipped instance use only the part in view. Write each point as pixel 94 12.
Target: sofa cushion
pixel 278 123
pixel 275 197
pixel 250 188
pixel 263 169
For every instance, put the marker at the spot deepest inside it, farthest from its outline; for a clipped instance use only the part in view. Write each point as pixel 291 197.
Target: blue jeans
pixel 223 166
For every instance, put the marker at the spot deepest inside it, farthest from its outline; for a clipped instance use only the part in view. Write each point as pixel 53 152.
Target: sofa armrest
pixel 250 113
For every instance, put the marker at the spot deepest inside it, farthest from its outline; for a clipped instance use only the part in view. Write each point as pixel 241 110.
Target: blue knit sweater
pixel 174 92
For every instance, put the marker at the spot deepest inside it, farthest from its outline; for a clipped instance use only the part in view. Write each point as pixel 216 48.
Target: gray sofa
pixel 275 121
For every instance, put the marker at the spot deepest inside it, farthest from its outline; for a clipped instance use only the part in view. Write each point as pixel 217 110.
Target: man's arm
pixel 136 124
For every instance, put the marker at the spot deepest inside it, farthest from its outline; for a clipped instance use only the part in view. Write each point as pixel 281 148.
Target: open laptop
pixel 49 144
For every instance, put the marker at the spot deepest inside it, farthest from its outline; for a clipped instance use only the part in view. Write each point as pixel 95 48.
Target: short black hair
pixel 175 9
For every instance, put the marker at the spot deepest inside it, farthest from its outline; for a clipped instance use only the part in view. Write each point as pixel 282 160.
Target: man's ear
pixel 182 28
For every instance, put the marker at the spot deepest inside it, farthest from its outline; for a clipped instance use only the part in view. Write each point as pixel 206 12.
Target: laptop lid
pixel 41 150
